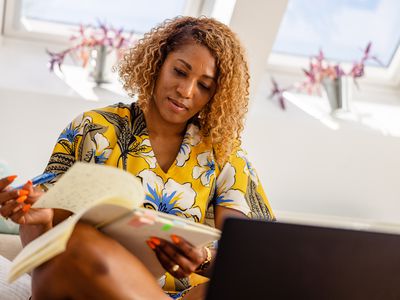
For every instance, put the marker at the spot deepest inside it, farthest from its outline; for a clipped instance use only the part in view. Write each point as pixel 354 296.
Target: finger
pixel 175 255
pixel 34 194
pixel 28 186
pixel 196 255
pixel 31 191
pixel 6 181
pixel 169 264
pixel 9 208
pixel 19 217
pixel 18 195
pixel 8 195
pixel 15 194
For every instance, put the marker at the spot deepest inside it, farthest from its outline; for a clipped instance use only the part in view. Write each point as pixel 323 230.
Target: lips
pixel 178 104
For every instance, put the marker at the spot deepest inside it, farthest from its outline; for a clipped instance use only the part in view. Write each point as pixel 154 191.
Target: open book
pixel 109 199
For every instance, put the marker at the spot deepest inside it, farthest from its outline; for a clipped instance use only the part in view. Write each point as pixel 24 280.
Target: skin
pixel 185 84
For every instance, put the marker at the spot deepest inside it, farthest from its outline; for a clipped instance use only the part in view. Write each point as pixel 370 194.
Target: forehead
pixel 198 56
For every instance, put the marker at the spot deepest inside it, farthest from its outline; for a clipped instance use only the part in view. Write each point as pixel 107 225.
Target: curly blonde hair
pixel 222 119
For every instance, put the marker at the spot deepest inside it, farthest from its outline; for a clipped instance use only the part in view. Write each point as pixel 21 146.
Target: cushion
pixel 7 226
pixel 19 289
pixel 10 246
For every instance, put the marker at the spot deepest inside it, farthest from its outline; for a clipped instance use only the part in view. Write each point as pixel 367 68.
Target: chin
pixel 175 119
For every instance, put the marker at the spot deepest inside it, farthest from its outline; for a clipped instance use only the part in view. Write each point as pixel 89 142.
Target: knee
pixel 48 281
pixel 86 251
pixel 82 266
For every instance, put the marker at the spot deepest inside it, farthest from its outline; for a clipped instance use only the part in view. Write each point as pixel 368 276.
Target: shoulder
pixel 112 115
pixel 118 109
pixel 238 156
pixel 238 165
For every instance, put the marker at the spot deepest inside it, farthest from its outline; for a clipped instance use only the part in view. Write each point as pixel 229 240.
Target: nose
pixel 186 88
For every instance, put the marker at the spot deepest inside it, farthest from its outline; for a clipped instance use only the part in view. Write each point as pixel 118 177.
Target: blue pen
pixel 40 179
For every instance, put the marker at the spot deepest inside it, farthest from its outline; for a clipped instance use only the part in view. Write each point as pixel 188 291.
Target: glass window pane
pixel 341 28
pixel 137 15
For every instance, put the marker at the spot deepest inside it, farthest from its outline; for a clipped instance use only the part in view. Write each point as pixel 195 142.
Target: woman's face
pixel 185 84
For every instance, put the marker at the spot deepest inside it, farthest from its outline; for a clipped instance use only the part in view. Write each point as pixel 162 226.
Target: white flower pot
pixel 339 92
pixel 102 58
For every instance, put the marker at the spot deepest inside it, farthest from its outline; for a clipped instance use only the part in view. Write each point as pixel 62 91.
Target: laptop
pixel 272 260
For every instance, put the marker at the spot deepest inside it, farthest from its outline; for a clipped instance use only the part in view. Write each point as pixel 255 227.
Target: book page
pixel 18 290
pixel 84 185
pixel 41 249
pixel 133 230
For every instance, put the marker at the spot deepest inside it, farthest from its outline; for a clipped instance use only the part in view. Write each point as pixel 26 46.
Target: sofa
pixel 10 245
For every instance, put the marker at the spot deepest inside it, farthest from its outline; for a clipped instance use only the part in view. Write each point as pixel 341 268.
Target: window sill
pixel 78 80
pixel 26 68
pixel 378 117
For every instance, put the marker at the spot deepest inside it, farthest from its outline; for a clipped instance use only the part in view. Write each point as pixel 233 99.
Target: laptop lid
pixel 271 260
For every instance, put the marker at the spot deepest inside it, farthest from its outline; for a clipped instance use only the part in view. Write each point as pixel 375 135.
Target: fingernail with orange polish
pixel 21 199
pixel 26 208
pixel 151 245
pixel 11 178
pixel 175 239
pixel 29 182
pixel 155 241
pixel 23 193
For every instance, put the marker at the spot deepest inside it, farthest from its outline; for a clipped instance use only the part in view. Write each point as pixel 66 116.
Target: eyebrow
pixel 190 68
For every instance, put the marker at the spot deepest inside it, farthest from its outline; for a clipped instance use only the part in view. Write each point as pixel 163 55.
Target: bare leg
pixel 94 267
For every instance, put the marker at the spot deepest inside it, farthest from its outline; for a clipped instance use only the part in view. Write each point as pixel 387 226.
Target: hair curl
pixel 222 119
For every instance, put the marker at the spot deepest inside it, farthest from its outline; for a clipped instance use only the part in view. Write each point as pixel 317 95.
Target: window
pixel 1 15
pixel 49 19
pixel 130 14
pixel 341 28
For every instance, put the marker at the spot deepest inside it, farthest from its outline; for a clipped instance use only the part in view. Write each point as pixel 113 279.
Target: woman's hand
pixel 16 204
pixel 179 258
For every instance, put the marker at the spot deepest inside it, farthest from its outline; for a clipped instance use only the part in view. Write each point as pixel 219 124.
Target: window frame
pixel 2 13
pixel 292 64
pixel 13 26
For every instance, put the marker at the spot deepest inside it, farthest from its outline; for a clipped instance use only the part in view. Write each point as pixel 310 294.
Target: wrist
pixel 29 232
pixel 46 219
pixel 207 261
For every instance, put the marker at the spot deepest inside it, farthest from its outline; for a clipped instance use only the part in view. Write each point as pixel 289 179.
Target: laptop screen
pixel 271 260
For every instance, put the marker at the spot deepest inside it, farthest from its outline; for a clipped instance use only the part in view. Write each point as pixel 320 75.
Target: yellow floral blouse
pixel 117 136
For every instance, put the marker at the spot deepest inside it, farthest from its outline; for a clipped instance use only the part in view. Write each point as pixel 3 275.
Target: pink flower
pixel 320 69
pixel 88 37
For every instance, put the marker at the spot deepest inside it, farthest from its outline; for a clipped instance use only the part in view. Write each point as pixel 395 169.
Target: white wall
pixel 304 166
pixel 35 105
pixel 31 123
pixel 257 26
pixel 309 168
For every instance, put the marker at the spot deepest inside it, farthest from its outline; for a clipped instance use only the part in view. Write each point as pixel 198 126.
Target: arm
pixel 240 195
pixel 220 214
pixel 16 205
pixel 50 217
pixel 35 222
pixel 179 252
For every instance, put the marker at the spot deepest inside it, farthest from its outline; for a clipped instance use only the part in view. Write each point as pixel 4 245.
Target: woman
pixel 181 138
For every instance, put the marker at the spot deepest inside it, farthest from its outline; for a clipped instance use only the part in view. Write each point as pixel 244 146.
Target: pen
pixel 40 179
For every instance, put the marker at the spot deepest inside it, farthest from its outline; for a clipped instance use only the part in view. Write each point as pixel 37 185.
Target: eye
pixel 179 72
pixel 204 86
